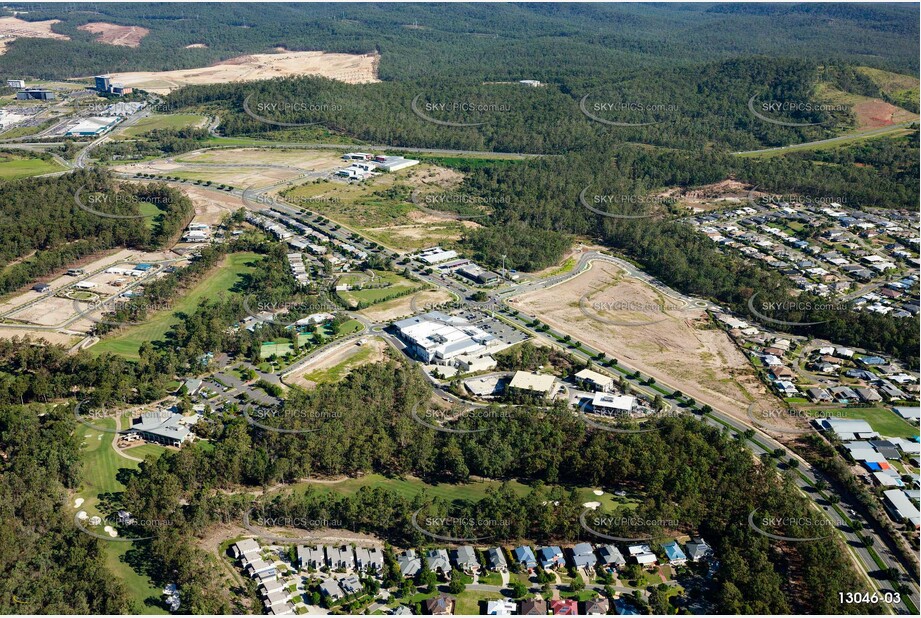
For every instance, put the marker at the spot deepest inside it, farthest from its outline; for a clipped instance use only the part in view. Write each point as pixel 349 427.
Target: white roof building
pixel 533 382
pixel 606 403
pixel 435 337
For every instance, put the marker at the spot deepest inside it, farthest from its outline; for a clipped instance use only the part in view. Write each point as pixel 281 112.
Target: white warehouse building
pixel 436 337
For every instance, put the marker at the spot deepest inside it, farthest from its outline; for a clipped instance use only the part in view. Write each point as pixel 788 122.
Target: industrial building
pixel 394 164
pixel 606 403
pixel 92 126
pixel 530 383
pixel 36 94
pixel 436 337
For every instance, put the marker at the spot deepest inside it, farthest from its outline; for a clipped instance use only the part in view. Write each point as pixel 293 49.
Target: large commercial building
pixel 165 427
pixel 437 338
pixel 92 126
pixel 35 93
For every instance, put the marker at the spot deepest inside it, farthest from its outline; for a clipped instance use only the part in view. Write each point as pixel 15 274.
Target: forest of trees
pixel 475 41
pixel 60 232
pixel 689 473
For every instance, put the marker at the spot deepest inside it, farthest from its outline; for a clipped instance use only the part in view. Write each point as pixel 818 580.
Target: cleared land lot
pixel 339 362
pixel 402 307
pixel 349 68
pixel 32 307
pixel 381 208
pixel 114 34
pixel 382 286
pixel 13 167
pixel 319 160
pixel 162 121
pixel 127 342
pixel 681 348
pixel 239 177
pixel 12 28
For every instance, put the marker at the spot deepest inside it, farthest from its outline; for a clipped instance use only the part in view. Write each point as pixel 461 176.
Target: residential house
pixel 524 555
pixel 501 607
pixel 564 607
pixel 697 549
pixel 642 554
pixel 550 557
pixel 611 556
pixel 275 598
pixel 465 559
pixel 369 559
pixel 532 607
pixel 599 606
pixel 260 566
pixel 442 605
pixel 409 563
pixel 246 547
pixel 437 561
pixel 495 559
pixel 340 558
pixel 330 589
pixel 311 557
pixel 350 584
pixel 583 556
pixel 674 554
pixel 624 609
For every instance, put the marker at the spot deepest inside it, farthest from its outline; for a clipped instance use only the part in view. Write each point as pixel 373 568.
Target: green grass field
pixel 128 342
pixel 336 372
pixel 100 466
pixel 410 487
pixel 162 121
pixel 144 450
pixel 13 167
pixel 468 602
pixel 884 421
pixel 395 284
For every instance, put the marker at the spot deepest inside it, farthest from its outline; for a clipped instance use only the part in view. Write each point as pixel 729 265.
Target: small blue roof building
pixel 673 553
pixel 525 556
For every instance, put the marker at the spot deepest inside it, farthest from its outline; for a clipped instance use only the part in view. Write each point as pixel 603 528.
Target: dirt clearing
pixel 661 337
pixel 12 28
pixel 336 363
pixel 402 307
pixel 348 68
pixel 113 34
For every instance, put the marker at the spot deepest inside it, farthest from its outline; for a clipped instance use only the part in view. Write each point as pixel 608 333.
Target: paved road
pixel 861 553
pixel 831 140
